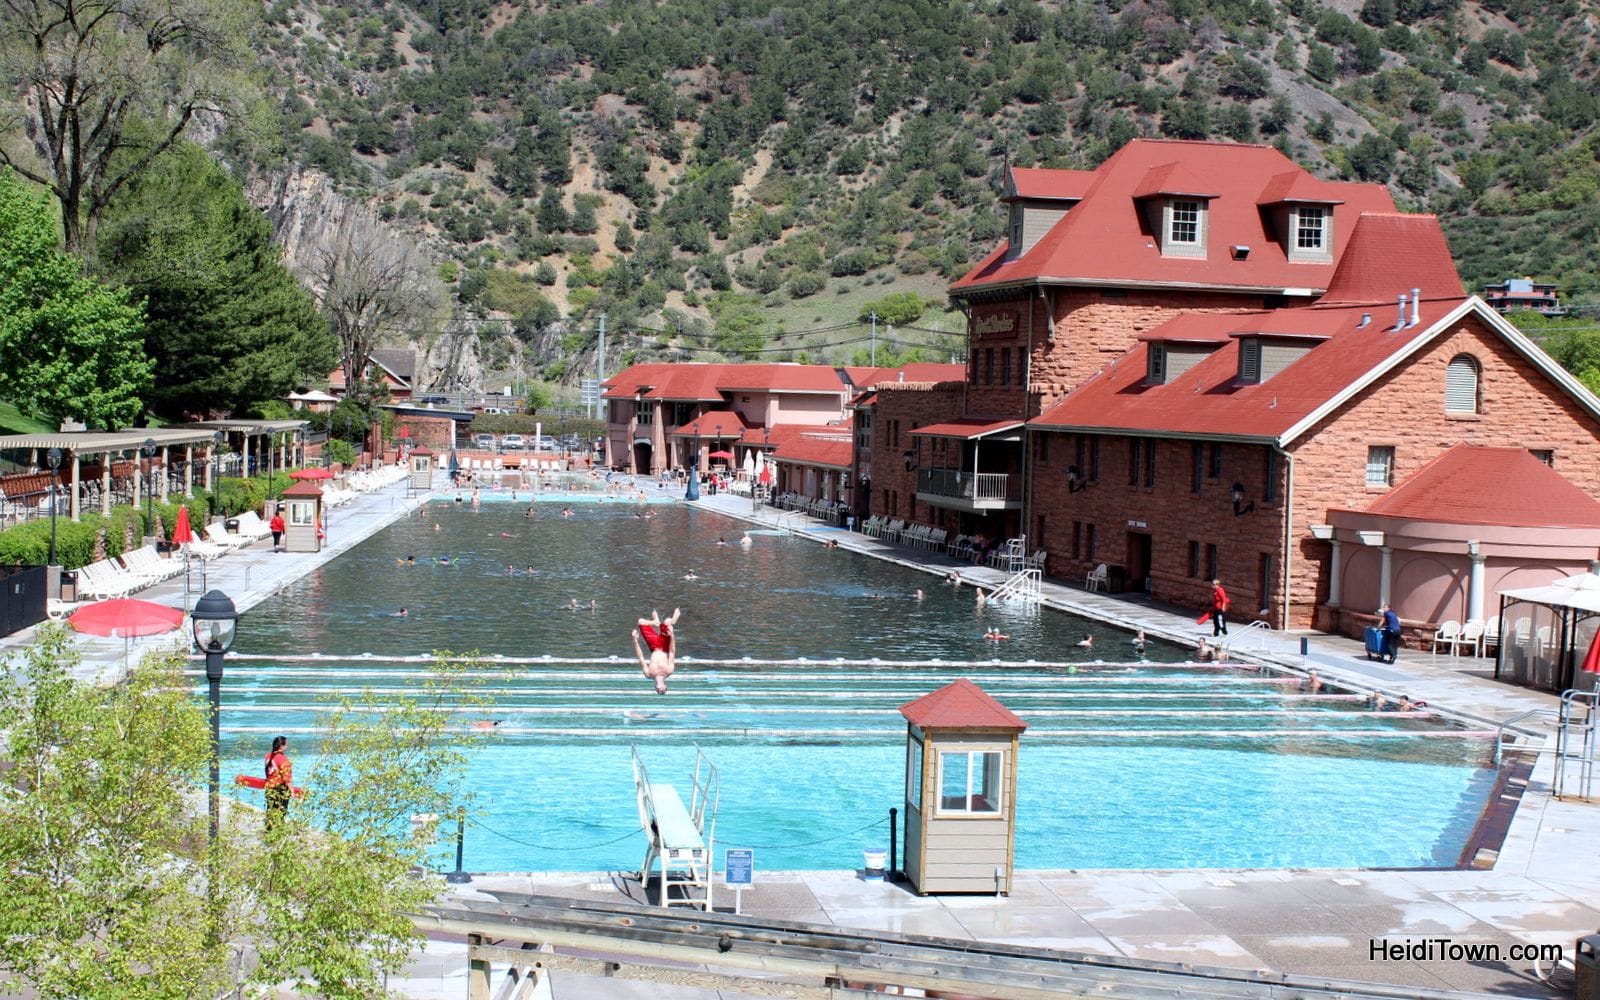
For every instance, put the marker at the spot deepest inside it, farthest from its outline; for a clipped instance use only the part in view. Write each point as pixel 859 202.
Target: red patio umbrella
pixel 182 533
pixel 125 618
pixel 311 474
pixel 721 456
pixel 1591 660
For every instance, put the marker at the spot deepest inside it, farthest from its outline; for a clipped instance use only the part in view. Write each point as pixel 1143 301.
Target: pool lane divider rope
pixel 547 660
pixel 805 736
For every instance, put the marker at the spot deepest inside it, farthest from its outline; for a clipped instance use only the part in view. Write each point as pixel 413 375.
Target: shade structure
pixel 125 618
pixel 311 474
pixel 721 456
pixel 182 533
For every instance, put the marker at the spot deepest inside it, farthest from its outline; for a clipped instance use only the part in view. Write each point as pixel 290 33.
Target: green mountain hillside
pixel 751 176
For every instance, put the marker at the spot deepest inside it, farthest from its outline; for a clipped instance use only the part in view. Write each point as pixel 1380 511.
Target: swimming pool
pixel 1161 764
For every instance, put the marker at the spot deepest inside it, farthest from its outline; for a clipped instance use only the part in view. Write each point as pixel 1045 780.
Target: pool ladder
pixel 1023 587
pixel 1577 720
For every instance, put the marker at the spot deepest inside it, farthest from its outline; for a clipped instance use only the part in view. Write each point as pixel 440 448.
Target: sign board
pixel 1137 524
pixel 589 390
pixel 739 866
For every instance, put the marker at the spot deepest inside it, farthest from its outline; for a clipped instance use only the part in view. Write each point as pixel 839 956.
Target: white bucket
pixel 874 860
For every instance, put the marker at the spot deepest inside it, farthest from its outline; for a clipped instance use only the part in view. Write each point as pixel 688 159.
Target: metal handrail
pixel 1500 730
pixel 1260 627
pixel 1587 731
pixel 1023 586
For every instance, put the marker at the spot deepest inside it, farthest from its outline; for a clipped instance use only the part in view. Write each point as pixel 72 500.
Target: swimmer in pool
pixel 746 541
pixel 691 575
pixel 486 723
pixel 722 541
pixel 442 560
pixel 1087 642
pixel 1138 643
pixel 661 637
pixel 402 613
pixel 995 635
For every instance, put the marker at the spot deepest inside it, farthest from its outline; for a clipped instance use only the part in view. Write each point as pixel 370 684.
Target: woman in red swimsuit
pixel 663 644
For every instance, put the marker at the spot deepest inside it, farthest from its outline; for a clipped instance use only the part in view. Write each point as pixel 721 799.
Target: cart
pixel 1375 638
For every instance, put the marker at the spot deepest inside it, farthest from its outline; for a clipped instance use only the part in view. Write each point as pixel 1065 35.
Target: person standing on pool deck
pixel 1391 632
pixel 1219 609
pixel 280 781
pixel 276 527
pixel 659 636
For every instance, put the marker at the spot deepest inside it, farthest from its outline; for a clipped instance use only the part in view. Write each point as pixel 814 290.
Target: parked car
pixel 547 443
pixel 433 399
pixel 483 442
pixel 512 442
pixel 493 409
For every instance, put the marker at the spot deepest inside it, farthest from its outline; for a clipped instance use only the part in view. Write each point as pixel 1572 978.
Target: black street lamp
pixel 149 450
pixel 216 624
pixel 53 458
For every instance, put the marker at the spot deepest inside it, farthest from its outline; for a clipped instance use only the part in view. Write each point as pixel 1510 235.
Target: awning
pixel 1580 592
pixel 968 430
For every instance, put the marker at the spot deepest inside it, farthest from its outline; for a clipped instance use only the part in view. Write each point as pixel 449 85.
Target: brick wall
pixel 901 407
pixel 434 433
pixel 1170 513
pixel 1405 410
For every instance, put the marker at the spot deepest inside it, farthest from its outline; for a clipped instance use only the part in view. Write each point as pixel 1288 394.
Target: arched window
pixel 1461 385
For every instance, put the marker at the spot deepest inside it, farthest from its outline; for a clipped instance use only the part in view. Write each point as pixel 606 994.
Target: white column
pixel 1383 574
pixel 1475 581
pixel 1335 580
pixel 105 485
pixel 138 477
pixel 188 470
pixel 165 457
pixel 77 487
pixel 211 456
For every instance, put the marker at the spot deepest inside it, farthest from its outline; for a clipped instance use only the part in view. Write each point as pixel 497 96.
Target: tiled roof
pixel 1173 180
pixel 1049 185
pixel 1476 485
pixel 780 378
pixel 1103 239
pixel 702 382
pixel 708 423
pixel 829 446
pixel 1299 186
pixel 690 383
pixel 1391 254
pixel 917 371
pixel 960 704
pixel 967 428
pixel 401 364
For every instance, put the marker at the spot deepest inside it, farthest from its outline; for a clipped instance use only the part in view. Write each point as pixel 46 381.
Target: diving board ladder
pixel 681 841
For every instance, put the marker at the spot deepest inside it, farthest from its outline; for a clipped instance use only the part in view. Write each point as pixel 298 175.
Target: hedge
pixel 235 496
pixel 95 536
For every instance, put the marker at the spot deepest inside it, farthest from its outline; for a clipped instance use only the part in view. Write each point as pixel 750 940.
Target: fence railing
pixel 964 485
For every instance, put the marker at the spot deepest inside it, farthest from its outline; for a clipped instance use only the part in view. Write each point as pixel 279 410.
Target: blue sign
pixel 739 866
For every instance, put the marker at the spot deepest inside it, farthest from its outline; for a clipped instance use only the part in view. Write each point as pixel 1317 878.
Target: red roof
pixel 967 428
pixel 1173 180
pixel 1390 254
pixel 829 446
pixel 1103 238
pixel 708 423
pixel 960 704
pixel 917 371
pixel 1300 187
pixel 1049 185
pixel 1470 484
pixel 691 382
pixel 304 488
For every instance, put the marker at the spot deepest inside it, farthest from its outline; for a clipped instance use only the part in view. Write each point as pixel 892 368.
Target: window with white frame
pixel 969 782
pixel 1380 465
pixel 1311 228
pixel 1183 225
pixel 914 772
pixel 1156 374
pixel 1461 384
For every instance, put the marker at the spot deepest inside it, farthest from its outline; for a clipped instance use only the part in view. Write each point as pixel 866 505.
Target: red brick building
pixel 1182 363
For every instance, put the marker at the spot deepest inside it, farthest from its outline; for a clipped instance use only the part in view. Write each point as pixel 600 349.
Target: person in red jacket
pixel 280 781
pixel 276 527
pixel 1219 609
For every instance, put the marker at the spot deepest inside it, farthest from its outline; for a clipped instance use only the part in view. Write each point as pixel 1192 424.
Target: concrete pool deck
pixel 1542 887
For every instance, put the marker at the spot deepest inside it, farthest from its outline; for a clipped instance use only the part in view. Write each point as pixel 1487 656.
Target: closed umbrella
pixel 182 535
pixel 1591 660
pixel 750 462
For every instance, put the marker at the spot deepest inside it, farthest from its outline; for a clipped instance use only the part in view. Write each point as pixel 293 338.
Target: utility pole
pixel 600 363
pixel 874 318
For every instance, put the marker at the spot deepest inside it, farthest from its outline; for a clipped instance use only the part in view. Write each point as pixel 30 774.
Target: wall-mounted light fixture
pixel 911 459
pixel 1239 506
pixel 1075 481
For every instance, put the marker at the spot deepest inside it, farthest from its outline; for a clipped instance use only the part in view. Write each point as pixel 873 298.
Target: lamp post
pixel 149 450
pixel 216 469
pixel 53 459
pixel 216 624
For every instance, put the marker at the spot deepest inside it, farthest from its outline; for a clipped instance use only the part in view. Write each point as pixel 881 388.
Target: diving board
pixel 680 841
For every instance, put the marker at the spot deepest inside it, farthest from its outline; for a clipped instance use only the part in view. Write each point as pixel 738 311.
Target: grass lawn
pixel 13 422
pixel 841 302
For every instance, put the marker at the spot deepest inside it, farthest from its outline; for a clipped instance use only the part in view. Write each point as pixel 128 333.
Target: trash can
pixel 873 860
pixel 1116 579
pixel 1374 640
pixel 1586 969
pixel 69 585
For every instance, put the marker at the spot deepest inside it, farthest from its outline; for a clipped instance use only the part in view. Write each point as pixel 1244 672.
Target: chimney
pixel 902 376
pixel 1400 324
pixel 1416 301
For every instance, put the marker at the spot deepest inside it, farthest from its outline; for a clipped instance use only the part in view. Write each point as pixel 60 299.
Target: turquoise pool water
pixel 1160 764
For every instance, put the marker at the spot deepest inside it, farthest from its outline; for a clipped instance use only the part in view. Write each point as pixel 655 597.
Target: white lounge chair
pixel 1448 635
pixel 220 535
pixel 1471 636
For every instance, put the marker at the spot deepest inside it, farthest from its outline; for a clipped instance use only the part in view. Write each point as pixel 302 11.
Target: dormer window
pixel 1310 233
pixel 1014 237
pixel 1260 358
pixel 1250 360
pixel 1156 366
pixel 1184 234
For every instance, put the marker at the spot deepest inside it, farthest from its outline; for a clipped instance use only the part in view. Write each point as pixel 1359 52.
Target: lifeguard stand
pixel 303 519
pixel 421 469
pixel 961 791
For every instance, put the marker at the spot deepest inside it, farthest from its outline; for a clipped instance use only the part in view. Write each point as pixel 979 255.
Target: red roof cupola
pixel 960 704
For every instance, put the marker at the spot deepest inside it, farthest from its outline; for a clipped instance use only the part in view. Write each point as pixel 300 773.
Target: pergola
pixel 279 442
pixel 1550 627
pixel 85 447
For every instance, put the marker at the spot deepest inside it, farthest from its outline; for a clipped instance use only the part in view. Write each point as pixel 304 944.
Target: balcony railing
pixel 979 487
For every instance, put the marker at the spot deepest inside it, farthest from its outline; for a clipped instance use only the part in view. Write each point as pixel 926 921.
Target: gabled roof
pixel 1173 180
pixel 1038 184
pixel 916 371
pixel 696 383
pixel 781 378
pixel 711 423
pixel 1390 254
pixel 1297 186
pixel 1103 240
pixel 1470 484
pixel 401 364
pixel 960 704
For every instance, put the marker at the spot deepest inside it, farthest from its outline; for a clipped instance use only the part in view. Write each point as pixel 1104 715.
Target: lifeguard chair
pixel 681 841
pixel 302 523
pixel 421 469
pixel 961 791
